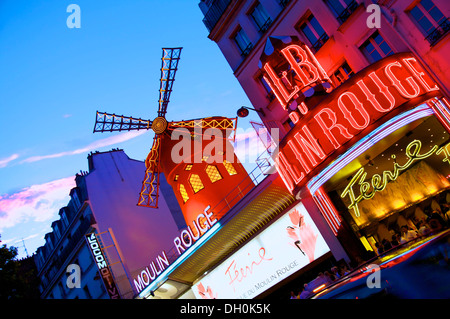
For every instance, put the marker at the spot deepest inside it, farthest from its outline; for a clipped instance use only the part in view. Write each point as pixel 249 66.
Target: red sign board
pixel 350 112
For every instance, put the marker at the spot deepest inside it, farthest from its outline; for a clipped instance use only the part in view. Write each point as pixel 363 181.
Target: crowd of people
pixel 435 219
pixel 324 278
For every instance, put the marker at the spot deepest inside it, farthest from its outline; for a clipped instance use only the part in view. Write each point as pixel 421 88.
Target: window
pixel 176 177
pixel 342 9
pixel 260 17
pixel 270 95
pixel 229 167
pixel 430 19
pixel 376 48
pixel 283 3
pixel 314 32
pixel 188 167
pixel 213 173
pixel 183 193
pixel 64 218
pixel 196 183
pixel 75 199
pixel 56 231
pixel 343 73
pixel 205 158
pixel 288 124
pixel 242 41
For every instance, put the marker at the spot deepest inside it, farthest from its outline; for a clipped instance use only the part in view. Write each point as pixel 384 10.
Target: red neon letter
pixel 358 106
pixel 419 75
pixel 308 146
pixel 383 89
pixel 294 117
pixel 308 77
pixel 401 89
pixel 279 90
pixel 288 173
pixel 327 129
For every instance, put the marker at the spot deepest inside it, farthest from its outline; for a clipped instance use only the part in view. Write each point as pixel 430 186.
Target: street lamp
pixel 243 111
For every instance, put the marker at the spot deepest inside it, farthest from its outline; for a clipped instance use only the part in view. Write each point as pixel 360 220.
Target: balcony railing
pixel 343 16
pixel 214 13
pixel 266 25
pixel 320 42
pixel 439 32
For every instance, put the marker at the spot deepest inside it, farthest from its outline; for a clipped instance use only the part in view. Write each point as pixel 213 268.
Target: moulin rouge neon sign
pixel 351 111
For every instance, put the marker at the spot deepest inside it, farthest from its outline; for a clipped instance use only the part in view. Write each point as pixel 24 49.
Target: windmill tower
pixel 200 175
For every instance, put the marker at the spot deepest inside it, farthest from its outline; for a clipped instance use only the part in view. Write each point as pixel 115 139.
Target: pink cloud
pixel 39 202
pixel 5 161
pixel 112 140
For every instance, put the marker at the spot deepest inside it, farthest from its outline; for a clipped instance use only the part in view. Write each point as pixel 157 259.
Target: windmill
pixel 160 151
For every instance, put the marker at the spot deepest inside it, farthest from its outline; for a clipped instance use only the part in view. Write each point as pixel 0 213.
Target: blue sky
pixel 53 79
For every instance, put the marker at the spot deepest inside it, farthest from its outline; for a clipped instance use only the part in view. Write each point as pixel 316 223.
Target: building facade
pixel 358 93
pixel 97 244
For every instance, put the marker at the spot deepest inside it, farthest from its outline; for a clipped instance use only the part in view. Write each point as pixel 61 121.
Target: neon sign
pixel 379 182
pixel 303 72
pixel 187 238
pixel 365 101
pixel 103 266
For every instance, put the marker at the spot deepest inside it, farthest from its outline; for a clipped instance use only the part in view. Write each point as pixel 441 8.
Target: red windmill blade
pixel 149 194
pixel 107 122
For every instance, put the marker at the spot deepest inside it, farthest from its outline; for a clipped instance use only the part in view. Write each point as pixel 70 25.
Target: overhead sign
pixel 286 246
pixel 187 238
pixel 365 101
pixel 102 265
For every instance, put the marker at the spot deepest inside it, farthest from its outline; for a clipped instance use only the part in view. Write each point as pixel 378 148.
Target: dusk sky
pixel 54 78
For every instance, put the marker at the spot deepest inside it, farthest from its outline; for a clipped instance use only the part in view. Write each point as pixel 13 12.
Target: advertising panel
pixel 286 246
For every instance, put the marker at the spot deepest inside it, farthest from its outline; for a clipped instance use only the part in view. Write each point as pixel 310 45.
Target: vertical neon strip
pixel 328 210
pixel 441 111
pixel 324 214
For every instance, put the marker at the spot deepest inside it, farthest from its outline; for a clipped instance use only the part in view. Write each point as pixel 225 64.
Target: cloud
pixel 112 140
pixel 38 203
pixel 5 161
pixel 248 146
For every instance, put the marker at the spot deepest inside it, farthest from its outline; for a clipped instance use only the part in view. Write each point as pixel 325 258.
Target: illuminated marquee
pixel 365 101
pixel 187 238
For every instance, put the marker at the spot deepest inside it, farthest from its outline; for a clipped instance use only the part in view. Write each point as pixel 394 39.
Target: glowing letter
pixel 308 77
pixel 278 87
pixel 358 106
pixel 401 89
pixel 309 146
pixel 419 75
pixel 383 89
pixel 327 129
